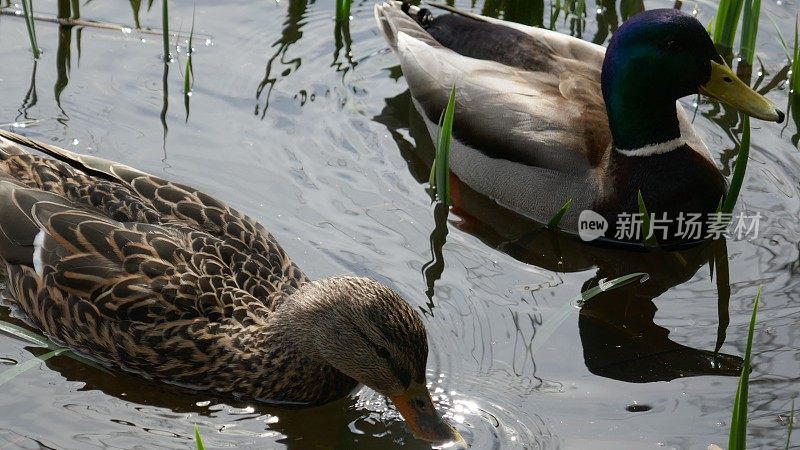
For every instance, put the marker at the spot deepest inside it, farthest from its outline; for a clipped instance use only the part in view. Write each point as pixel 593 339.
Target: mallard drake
pixel 164 281
pixel 542 117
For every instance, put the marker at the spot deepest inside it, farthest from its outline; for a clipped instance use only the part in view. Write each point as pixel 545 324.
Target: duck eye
pixel 382 352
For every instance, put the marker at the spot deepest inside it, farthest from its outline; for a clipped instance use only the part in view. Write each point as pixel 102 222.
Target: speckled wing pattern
pixel 130 268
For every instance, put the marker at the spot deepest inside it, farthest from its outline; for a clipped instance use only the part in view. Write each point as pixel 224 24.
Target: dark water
pixel 309 128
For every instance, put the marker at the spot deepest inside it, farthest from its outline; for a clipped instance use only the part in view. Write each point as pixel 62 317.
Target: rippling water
pixel 309 128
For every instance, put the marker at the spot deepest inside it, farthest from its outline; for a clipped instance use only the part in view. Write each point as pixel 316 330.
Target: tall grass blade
pixel 165 26
pixel 343 10
pixel 556 219
pixel 188 76
pixel 747 47
pixel 779 34
pixel 795 82
pixel 441 168
pixel 25 335
pixel 727 23
pixel 738 436
pixel 41 341
pixel 544 333
pixel 21 368
pixel 647 227
pixel 27 9
pixel 198 440
pixel 790 425
pixel 739 170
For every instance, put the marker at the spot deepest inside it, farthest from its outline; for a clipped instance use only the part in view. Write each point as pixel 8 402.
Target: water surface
pixel 308 127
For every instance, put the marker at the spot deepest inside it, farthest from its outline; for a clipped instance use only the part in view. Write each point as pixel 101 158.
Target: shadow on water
pixel 343 48
pixel 30 99
pixel 291 33
pixel 619 336
pixel 67 9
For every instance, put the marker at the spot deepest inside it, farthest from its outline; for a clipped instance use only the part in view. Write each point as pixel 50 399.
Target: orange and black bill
pixel 417 408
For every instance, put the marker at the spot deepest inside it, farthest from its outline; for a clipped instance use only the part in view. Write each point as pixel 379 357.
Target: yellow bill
pixel 726 87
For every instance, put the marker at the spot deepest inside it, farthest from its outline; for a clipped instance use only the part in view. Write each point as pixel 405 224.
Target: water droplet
pixel 143 40
pixel 720 423
pixel 771 331
pixel 75 141
pixel 126 30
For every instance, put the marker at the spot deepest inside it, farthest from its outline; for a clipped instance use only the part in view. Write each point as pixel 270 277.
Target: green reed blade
pixel 442 162
pixel 14 371
pixel 25 335
pixel 198 440
pixel 188 76
pixel 647 227
pixel 343 10
pixel 556 219
pixel 432 176
pixel 795 84
pixel 747 47
pixel 27 8
pixel 739 169
pixel 165 26
pixel 552 324
pixel 727 22
pixel 555 10
pixel 779 34
pixel 790 425
pixel 41 341
pixel 738 436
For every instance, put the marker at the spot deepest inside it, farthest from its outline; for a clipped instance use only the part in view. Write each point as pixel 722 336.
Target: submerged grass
pixel 440 171
pixel 739 170
pixel 343 10
pixel 727 23
pixel 738 436
pixel 747 46
pixel 27 8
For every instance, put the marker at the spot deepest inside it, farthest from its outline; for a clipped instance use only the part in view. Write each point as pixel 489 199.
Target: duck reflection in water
pixel 620 339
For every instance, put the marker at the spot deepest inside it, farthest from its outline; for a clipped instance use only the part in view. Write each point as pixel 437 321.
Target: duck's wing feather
pixel 133 195
pixel 195 260
pixel 547 112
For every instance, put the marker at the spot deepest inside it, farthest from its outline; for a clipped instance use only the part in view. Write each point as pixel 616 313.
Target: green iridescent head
pixel 657 57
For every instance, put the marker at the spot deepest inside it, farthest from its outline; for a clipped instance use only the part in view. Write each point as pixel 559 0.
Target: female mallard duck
pixel 161 280
pixel 541 117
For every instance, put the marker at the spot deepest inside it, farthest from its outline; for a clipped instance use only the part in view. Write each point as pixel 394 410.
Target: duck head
pixel 657 57
pixel 369 333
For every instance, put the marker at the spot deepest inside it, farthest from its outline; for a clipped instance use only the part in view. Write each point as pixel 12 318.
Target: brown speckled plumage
pixel 161 280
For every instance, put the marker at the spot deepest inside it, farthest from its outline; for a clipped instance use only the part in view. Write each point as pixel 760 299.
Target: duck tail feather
pixel 396 17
